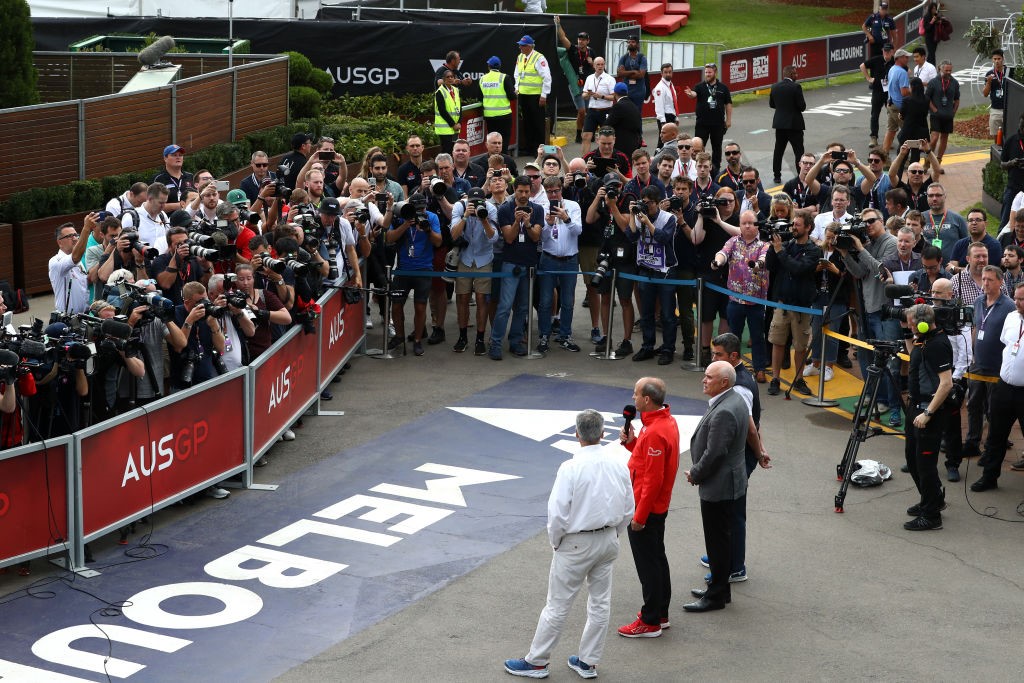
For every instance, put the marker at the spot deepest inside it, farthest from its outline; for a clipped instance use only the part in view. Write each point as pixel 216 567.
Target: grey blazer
pixel 716 449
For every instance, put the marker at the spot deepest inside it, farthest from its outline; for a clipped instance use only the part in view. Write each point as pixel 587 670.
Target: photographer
pixel 416 233
pixel 717 222
pixel 154 330
pixel 237 234
pixel 255 308
pixel 194 364
pixel 99 254
pixel 793 265
pixel 743 256
pixel 152 221
pixel 559 253
pixel 930 381
pixel 837 214
pixel 581 187
pixel 116 351
pixel 831 285
pixel 346 236
pixel 475 224
pixel 862 262
pixel 173 269
pixel 204 206
pixel 654 231
pixel 68 279
pixel 618 252
pixel 239 325
pixel 683 205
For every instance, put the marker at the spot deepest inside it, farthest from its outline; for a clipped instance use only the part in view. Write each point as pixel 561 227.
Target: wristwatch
pixel 928 413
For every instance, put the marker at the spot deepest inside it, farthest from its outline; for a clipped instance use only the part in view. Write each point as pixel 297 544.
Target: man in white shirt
pixel 598 91
pixel 838 214
pixel 68 278
pixel 591 503
pixel 685 165
pixel 131 200
pixel 665 98
pixel 923 69
pixel 153 222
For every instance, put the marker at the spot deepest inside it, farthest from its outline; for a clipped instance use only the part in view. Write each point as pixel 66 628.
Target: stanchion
pixel 699 362
pixel 383 352
pixel 820 401
pixel 531 353
pixel 609 354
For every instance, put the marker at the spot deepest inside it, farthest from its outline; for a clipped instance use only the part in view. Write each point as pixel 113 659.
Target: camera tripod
pixel 862 429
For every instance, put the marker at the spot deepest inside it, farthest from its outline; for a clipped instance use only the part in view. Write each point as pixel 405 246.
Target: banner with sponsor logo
pixel 845 53
pixel 681 79
pixel 341 330
pixel 284 384
pixel 34 502
pixel 810 57
pixel 751 68
pixel 145 459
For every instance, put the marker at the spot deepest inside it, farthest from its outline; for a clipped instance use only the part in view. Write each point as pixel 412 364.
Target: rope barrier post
pixel 609 324
pixel 820 401
pixel 384 352
pixel 698 361
pixel 531 353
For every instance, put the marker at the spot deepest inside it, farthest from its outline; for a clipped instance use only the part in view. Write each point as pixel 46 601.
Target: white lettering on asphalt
pixel 447 491
pixel 859 102
pixel 239 604
pixel 56 647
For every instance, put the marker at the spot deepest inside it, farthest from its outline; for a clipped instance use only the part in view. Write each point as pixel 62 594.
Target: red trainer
pixel 664 622
pixel 638 629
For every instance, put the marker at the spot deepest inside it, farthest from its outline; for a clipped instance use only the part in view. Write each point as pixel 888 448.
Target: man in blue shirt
pixel 878 29
pixel 475 223
pixel 899 87
pixel 633 72
pixel 417 232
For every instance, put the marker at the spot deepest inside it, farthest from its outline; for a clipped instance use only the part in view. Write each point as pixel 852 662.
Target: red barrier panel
pixel 147 460
pixel 33 499
pixel 681 79
pixel 471 128
pixel 808 56
pixel 750 69
pixel 342 328
pixel 284 381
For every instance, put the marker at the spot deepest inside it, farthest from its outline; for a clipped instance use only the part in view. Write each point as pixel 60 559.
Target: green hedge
pixel 993 180
pixel 354 137
pixel 408 106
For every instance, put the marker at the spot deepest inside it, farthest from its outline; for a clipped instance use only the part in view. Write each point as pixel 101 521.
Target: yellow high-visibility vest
pixel 530 81
pixel 452 105
pixel 496 103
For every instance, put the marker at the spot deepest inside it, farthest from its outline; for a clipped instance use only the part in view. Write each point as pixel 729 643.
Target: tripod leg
pixel 857 436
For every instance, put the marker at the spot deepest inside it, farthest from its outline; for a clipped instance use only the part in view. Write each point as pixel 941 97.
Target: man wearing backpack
pixel 129 202
pixel 152 220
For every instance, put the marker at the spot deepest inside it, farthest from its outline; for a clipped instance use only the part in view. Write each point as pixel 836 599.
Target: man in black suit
pixel 787 99
pixel 719 472
pixel 625 119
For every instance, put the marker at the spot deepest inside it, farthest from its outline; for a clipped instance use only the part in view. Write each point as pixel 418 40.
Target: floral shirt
pixel 742 278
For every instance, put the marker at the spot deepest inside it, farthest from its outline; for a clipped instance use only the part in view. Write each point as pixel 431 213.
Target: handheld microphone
pixel 629 412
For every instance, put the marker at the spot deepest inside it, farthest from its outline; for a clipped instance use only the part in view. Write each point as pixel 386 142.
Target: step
pixel 641 12
pixel 602 6
pixel 665 24
pixel 677 8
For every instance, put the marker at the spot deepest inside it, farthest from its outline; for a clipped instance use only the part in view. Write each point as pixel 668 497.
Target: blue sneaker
pixel 735 577
pixel 704 561
pixel 521 667
pixel 582 668
pixel 495 352
pixel 894 418
pixel 595 335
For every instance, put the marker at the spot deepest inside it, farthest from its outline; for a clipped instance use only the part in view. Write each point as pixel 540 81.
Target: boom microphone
pixel 150 56
pixel 897 291
pixel 116 329
pixel 8 358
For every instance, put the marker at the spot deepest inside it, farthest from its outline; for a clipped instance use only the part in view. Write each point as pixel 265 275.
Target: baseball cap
pixel 633 36
pixel 476 193
pixel 884 4
pixel 901 53
pixel 180 219
pixel 172 149
pixel 583 34
pixel 236 196
pixel 299 139
pixel 493 61
pixel 330 206
pixel 621 89
pixel 532 165
pixel 525 40
pixel 887 46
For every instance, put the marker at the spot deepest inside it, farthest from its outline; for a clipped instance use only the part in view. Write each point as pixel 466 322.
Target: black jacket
pixel 787 99
pixel 793 270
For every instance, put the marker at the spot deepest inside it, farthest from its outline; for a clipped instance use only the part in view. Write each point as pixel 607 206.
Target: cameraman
pixel 717 222
pixel 173 269
pixel 581 186
pixel 281 284
pixel 268 309
pixel 239 234
pixel 833 286
pixel 683 205
pixel 654 231
pixel 793 265
pixel 194 364
pixel 930 381
pixel 116 351
pixel 238 327
pixel 98 254
pixel 416 232
pixel 154 331
pixel 475 223
pixel 619 252
pixel 862 262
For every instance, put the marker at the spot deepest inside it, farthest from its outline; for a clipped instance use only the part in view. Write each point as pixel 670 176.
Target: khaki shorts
pixel 995 121
pixel 480 285
pixel 893 122
pixel 588 260
pixel 785 322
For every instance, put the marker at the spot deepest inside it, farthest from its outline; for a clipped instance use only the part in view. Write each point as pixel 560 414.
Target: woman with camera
pixel 717 221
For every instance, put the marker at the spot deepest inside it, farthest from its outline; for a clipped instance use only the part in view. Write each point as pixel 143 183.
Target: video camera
pixel 950 315
pixel 213 240
pixel 767 228
pixel 855 228
pixel 414 210
pixel 707 205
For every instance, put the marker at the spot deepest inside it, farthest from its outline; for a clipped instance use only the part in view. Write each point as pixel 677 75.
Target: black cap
pixel 330 206
pixel 476 193
pixel 299 139
pixel 180 219
pixel 583 34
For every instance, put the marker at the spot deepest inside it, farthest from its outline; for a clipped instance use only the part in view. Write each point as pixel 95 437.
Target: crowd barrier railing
pixel 57 495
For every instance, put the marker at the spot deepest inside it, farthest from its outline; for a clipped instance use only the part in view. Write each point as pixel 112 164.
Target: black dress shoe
pixel 984 484
pixel 844 361
pixel 703 605
pixel 701 592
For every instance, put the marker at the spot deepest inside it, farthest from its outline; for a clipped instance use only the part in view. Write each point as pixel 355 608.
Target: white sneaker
pixel 288 435
pixel 391 330
pixel 217 492
pixel 829 374
pixel 369 323
pixel 811 371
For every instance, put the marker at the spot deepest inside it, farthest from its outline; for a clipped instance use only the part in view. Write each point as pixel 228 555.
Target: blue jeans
pixel 876 329
pixel 835 315
pixel 753 316
pixel 514 301
pixel 566 293
pixel 649 294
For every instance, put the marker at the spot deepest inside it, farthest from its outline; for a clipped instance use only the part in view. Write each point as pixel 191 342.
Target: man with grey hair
pixel 591 503
pixel 251 184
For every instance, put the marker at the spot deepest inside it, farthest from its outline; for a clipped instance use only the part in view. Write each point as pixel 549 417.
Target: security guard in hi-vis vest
pixel 447 112
pixel 533 84
pixel 498 91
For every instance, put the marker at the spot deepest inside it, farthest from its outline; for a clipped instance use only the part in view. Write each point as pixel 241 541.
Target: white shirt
pixel 664 100
pixel 535 6
pixel 685 168
pixel 603 85
pixel 152 231
pixel 822 220
pixel 63 271
pixel 119 204
pixel 1011 370
pixel 562 239
pixel 233 340
pixel 591 491
pixel 963 354
pixel 925 72
pixel 1018 203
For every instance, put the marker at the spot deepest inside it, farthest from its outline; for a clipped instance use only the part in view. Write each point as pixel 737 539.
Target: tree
pixel 17 72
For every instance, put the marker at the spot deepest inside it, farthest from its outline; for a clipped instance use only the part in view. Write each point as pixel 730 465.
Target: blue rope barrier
pixel 754 299
pixel 641 278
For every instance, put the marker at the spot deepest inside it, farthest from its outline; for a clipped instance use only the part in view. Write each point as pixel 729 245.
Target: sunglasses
pixel 531 176
pixel 261 165
pixel 869 221
pixel 732 154
pixel 751 181
pixel 686 146
pixel 916 172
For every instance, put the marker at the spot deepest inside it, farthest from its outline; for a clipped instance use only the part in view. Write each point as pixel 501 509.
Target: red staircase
pixel 657 17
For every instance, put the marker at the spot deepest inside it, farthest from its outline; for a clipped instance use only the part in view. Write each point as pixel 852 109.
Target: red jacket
pixel 653 463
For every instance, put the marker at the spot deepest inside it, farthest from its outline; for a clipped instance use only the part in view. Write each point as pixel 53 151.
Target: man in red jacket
pixel 652 469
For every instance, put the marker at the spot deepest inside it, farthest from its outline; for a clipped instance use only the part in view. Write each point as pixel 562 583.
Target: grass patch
pixel 992 224
pixel 957 140
pixel 964 113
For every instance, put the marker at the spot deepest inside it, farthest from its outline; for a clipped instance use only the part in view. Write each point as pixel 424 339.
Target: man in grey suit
pixel 719 472
pixel 787 99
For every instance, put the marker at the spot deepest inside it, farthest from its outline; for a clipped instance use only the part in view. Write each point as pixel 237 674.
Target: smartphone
pixel 839 156
pixel 551 149
pixel 325 156
pixel 555 206
pixel 914 144
pixel 382 201
pixel 824 260
pixel 222 185
pixel 102 215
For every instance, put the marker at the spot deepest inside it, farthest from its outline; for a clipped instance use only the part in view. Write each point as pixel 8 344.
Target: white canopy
pixel 240 9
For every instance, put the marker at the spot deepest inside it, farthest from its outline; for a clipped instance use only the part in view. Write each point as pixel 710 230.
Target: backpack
pixel 943 29
pixel 16 300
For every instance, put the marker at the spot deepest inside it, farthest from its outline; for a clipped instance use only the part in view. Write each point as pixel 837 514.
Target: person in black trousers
pixel 714 113
pixel 876 72
pixel 787 99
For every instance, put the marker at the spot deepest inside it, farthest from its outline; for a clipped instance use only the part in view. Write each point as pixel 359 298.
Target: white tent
pixel 240 9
